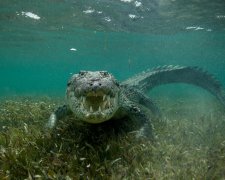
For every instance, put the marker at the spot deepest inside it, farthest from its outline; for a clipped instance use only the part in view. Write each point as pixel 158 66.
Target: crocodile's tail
pixel 177 74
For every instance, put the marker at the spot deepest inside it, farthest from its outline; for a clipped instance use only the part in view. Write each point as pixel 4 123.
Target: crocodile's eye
pixel 104 73
pixel 82 73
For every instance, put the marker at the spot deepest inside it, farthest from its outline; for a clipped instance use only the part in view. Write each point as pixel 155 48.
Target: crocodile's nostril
pixel 100 84
pixel 91 84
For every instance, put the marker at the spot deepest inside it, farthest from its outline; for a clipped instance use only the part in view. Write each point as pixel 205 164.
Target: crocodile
pixel 96 96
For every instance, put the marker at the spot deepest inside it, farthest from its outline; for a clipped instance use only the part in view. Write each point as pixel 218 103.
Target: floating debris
pixel 137 3
pixel 89 11
pixel 73 49
pixel 31 15
pixel 127 1
pixel 108 19
pixel 132 16
pixel 220 16
pixel 194 28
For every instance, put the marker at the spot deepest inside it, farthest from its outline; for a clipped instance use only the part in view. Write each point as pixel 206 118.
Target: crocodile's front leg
pixel 140 98
pixel 60 112
pixel 136 113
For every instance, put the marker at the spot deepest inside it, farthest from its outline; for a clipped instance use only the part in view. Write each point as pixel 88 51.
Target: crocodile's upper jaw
pixel 93 97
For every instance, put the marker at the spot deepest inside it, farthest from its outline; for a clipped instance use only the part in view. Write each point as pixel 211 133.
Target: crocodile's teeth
pixel 114 100
pixel 82 105
pixel 109 103
pixel 83 99
pixel 91 109
pixel 108 100
pixel 103 98
pixel 104 104
pixel 87 115
pixel 99 109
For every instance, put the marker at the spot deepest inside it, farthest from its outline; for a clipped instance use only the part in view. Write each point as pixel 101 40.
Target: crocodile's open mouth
pixel 93 96
pixel 98 106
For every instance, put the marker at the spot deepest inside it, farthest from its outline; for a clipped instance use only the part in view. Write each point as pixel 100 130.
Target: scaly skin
pixel 177 74
pixel 95 97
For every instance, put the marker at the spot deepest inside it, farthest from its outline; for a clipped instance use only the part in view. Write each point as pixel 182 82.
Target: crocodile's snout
pixel 95 85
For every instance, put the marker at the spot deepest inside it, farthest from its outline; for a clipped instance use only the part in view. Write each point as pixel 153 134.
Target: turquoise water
pixel 36 56
pixel 43 67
